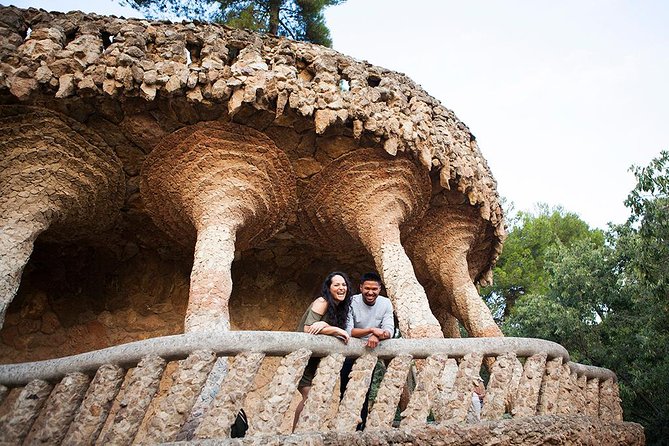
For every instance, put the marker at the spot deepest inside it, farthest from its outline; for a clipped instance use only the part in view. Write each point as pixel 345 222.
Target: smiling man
pixel 370 318
pixel 371 315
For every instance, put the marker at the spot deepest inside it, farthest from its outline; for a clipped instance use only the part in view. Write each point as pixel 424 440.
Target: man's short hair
pixel 371 277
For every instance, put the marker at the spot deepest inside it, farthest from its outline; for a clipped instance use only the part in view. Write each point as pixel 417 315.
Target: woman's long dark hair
pixel 337 311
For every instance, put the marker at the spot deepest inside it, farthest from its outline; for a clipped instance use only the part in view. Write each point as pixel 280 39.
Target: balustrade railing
pixel 113 396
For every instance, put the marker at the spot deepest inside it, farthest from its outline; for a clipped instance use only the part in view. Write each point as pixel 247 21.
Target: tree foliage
pixel 606 299
pixel 297 19
pixel 533 239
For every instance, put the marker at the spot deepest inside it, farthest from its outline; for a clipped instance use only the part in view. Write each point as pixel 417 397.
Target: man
pixel 370 318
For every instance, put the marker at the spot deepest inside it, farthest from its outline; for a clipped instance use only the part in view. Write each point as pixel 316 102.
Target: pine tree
pixel 296 19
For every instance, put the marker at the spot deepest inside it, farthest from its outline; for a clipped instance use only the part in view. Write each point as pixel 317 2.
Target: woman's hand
pixel 317 327
pixel 342 335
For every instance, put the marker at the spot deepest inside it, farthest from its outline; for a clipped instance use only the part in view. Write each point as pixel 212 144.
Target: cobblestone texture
pixel 530 385
pixel 175 407
pixel 348 415
pixel 550 387
pixel 54 419
pixel 230 396
pixel 499 386
pixel 314 415
pixel 15 424
pixel 279 394
pixel 134 400
pixel 592 398
pixel 461 396
pixel 388 396
pixel 94 409
pixel 445 389
pixel 424 395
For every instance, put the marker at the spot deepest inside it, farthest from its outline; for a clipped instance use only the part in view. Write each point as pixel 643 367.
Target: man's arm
pixel 350 322
pixel 388 321
pixel 362 332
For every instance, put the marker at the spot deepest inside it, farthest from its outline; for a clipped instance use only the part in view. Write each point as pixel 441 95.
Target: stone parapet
pixel 443 387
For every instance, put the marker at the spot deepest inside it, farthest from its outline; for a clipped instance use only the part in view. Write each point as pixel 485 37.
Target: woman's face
pixel 338 288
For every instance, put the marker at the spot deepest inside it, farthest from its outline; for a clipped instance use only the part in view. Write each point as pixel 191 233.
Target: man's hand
pixel 373 341
pixel 380 333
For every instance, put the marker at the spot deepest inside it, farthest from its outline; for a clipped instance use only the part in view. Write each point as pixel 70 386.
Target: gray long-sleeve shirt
pixel 379 315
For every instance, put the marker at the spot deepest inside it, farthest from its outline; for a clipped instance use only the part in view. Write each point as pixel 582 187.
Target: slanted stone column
pixel 368 199
pixel 221 187
pixel 449 247
pixel 56 177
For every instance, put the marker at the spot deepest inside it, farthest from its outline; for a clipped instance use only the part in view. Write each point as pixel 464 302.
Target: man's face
pixel 370 291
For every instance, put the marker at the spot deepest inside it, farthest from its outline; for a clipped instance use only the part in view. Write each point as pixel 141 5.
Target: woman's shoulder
pixel 320 305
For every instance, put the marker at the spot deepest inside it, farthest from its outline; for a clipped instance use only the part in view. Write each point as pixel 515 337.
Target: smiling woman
pixel 326 315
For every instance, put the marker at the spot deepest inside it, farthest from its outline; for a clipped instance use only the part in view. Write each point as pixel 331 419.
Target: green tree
pixel 533 238
pixel 608 302
pixel 297 19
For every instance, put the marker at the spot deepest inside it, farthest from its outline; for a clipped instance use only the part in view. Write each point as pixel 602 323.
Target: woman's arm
pixel 320 306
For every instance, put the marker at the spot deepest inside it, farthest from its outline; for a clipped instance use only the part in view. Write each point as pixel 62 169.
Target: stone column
pixel 57 178
pixel 450 247
pixel 366 200
pixel 221 188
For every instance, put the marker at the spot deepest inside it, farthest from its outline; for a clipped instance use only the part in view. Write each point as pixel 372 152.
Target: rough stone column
pixel 95 407
pixel 221 187
pixel 176 405
pixel 230 397
pixel 16 423
pixel 461 395
pixel 53 421
pixel 134 400
pixel 447 247
pixel 314 415
pixel 609 401
pixel 526 399
pixel 592 398
pixel 425 393
pixel 568 388
pixel 499 386
pixel 550 387
pixel 56 177
pixel 390 391
pixel 279 394
pixel 348 415
pixel 368 199
pixel 445 390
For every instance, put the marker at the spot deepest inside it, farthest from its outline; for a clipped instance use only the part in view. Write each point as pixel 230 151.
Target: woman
pixel 326 315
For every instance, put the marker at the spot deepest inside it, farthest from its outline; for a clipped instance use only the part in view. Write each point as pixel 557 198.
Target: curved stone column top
pixel 75 55
pixel 359 195
pixel 215 173
pixel 63 161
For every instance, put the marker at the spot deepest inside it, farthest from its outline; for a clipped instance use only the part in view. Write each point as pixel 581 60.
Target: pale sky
pixel 562 96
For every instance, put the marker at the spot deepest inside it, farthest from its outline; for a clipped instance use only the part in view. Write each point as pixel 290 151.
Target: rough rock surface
pixel 53 421
pixel 55 174
pixel 549 429
pixel 234 186
pixel 16 422
pixel 95 407
pixel 122 426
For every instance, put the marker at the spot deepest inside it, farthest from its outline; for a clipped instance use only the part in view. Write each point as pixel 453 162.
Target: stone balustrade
pixel 113 395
